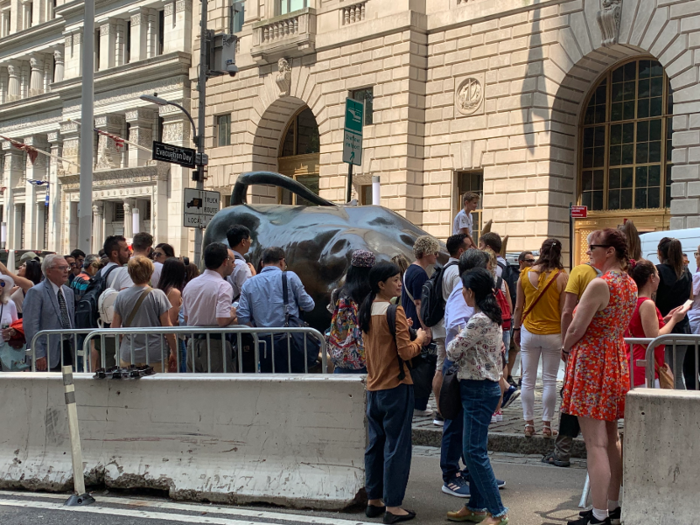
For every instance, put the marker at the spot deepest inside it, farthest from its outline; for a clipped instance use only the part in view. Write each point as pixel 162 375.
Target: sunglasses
pixel 529 261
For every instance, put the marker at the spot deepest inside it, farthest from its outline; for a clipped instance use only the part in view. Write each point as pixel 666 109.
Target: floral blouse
pixel 477 349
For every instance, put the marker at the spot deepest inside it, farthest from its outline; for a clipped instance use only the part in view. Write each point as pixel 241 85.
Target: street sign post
pixel 352 140
pixel 199 207
pixel 174 154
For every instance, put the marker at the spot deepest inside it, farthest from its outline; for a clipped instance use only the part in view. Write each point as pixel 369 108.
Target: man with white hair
pixel 50 305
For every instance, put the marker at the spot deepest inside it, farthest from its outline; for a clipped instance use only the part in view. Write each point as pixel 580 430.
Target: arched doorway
pixel 625 150
pixel 299 155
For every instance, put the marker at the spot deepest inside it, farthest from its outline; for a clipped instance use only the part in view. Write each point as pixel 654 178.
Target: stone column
pixel 59 69
pixel 13 87
pixel 3 84
pixel 119 29
pixel 37 171
pixel 139 31
pixel 13 173
pixel 97 226
pixel 55 223
pixel 48 72
pixel 36 79
pixel 24 80
pixel 73 56
pixel 70 131
pixel 129 205
pixel 108 155
pixel 152 33
pixel 107 45
pixel 140 132
pixel 180 37
pixel 38 15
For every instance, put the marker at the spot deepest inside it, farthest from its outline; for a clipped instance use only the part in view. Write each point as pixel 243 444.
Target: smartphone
pixel 688 304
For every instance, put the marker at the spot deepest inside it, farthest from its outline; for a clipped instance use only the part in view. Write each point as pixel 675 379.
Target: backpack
pixel 105 307
pixel 503 303
pixel 510 276
pixel 345 344
pixel 86 309
pixel 432 303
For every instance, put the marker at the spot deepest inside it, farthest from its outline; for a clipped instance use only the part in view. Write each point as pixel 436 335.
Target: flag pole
pixel 86 135
pixel 139 146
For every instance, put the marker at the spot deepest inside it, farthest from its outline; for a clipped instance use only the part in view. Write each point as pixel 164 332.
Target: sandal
pixel 529 430
pixel 548 432
pixel 551 459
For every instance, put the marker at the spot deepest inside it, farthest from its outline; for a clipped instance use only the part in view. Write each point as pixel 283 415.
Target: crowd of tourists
pixel 414 328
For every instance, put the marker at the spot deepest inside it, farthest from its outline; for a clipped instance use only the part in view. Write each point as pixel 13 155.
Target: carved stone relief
pixel 609 18
pixel 284 77
pixel 173 131
pixel 469 96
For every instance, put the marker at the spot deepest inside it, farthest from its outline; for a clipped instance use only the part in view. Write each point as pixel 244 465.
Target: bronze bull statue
pixel 318 241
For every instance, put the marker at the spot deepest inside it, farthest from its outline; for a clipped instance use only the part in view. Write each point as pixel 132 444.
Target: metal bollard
pixel 80 497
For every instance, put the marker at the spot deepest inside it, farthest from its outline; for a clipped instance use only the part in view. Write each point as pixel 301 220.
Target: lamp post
pixel 199 142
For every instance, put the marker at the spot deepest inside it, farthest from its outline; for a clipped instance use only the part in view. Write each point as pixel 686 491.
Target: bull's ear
pixel 487 227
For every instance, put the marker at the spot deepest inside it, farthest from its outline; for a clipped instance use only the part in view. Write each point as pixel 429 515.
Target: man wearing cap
pixel 50 305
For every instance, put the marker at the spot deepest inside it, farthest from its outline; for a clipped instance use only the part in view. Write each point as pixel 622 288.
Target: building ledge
pixel 289 36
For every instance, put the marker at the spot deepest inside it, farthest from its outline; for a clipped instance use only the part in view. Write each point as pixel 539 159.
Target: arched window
pixel 626 140
pixel 299 156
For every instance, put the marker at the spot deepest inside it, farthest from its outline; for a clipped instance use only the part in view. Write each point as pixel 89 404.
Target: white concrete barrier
pixel 661 457
pixel 294 440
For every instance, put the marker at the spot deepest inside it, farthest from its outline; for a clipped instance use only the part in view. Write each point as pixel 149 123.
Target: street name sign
pixel 352 140
pixel 174 154
pixel 199 207
pixel 579 212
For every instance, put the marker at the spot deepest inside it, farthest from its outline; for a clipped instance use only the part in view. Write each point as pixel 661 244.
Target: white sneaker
pixel 423 413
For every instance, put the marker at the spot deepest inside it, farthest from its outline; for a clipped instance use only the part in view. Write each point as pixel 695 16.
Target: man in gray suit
pixel 50 306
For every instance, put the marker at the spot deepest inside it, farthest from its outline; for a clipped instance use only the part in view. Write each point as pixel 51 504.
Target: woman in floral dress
pixel 597 375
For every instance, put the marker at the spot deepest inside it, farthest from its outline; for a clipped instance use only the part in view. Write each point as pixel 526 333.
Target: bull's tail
pixel 270 178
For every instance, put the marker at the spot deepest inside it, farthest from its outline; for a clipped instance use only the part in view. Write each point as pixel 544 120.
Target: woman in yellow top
pixel 537 322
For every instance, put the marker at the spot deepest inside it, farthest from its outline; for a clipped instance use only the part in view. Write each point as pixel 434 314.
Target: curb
pixel 503 442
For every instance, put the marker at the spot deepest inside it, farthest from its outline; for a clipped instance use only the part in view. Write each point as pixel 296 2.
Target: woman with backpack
pixel 537 320
pixel 345 344
pixel 390 398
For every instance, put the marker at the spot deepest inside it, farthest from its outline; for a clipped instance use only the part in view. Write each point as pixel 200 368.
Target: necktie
pixel 65 320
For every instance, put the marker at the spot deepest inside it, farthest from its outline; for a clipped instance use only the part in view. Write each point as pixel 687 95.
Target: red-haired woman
pixel 597 375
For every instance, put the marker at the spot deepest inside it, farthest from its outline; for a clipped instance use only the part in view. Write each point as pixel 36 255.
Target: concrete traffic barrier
pixel 661 457
pixel 293 440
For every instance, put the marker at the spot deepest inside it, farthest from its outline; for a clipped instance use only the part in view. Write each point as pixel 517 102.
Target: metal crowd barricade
pixel 208 332
pixel 77 348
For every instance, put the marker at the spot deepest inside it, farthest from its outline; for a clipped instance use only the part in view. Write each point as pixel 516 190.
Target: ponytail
pixel 480 282
pixel 365 313
pixel 672 254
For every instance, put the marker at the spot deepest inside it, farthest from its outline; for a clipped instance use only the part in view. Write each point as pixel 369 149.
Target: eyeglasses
pixel 529 261
pixel 594 246
pixel 158 254
pixel 62 268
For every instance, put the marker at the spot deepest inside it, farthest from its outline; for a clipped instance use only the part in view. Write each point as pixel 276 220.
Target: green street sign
pixel 352 140
pixel 354 113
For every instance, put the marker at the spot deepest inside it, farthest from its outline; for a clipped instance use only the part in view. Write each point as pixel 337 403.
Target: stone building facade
pixel 140 47
pixel 536 104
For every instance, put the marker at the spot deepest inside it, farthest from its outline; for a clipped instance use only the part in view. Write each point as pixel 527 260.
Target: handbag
pixel 450 395
pixel 666 379
pixel 541 294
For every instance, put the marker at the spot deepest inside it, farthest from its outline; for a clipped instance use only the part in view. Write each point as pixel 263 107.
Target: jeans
pixel 531 347
pixel 388 455
pixel 338 370
pixel 479 400
pixel 451 445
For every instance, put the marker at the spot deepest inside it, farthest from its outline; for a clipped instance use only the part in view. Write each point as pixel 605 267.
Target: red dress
pixel 640 351
pixel 597 376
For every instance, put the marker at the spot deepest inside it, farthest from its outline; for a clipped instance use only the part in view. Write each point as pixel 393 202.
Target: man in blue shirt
pixel 261 302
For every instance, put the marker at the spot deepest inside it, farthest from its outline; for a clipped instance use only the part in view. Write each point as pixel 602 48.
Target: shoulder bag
pixel 539 296
pixel 137 306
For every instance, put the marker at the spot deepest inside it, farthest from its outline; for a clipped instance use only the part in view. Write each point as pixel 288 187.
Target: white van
pixel 690 239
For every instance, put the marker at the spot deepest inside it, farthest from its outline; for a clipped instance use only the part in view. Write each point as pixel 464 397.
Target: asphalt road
pixel 535 493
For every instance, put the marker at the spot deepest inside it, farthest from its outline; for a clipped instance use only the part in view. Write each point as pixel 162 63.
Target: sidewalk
pixel 507 435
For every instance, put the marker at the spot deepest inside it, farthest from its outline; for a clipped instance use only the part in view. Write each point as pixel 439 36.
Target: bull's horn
pixel 487 227
pixel 270 178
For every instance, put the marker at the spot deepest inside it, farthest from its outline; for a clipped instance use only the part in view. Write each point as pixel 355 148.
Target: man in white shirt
pixel 456 246
pixel 206 301
pixel 239 240
pixel 464 222
pixel 118 253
